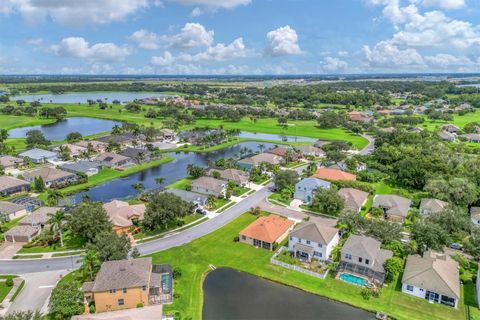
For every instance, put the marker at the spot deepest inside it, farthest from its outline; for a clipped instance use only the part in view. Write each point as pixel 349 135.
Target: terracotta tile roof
pixel 267 229
pixel 121 213
pixel 334 174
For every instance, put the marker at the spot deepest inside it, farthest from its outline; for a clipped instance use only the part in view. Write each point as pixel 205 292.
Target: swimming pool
pixel 354 279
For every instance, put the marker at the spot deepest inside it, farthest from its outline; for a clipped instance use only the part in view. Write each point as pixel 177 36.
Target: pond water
pixel 475 85
pixel 171 172
pixel 59 130
pixel 83 97
pixel 268 136
pixel 233 295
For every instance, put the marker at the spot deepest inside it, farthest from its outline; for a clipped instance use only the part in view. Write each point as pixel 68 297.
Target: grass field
pixel 219 249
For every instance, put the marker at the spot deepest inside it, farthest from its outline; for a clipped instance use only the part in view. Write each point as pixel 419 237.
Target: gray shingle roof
pixel 313 231
pixel 432 205
pixel 354 198
pixel 7 182
pixel 187 195
pixel 209 183
pixel 39 216
pixel 123 274
pixel 81 166
pixel 362 246
pixel 21 231
pixel 9 207
pixel 395 205
pixel 38 154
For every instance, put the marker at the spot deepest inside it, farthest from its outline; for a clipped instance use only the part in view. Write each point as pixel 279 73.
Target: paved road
pixel 63 263
pixel 369 147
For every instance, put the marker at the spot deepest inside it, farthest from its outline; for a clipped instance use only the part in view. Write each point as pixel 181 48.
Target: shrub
pixel 177 273
pixel 9 282
pixel 236 239
pixel 92 308
pixel 139 305
pixel 366 293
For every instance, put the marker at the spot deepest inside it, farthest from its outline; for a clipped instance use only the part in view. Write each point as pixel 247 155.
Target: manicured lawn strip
pixel 109 174
pixel 4 289
pixel 186 220
pixel 70 243
pixel 231 204
pixel 239 191
pixel 66 254
pixel 203 219
pixel 19 289
pixel 278 197
pixel 219 249
pixel 30 256
pixel 219 203
pixel 180 184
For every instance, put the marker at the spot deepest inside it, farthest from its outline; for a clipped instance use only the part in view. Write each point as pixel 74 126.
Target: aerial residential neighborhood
pixel 240 160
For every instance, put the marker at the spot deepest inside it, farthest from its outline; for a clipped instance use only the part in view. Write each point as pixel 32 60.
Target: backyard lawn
pixel 218 248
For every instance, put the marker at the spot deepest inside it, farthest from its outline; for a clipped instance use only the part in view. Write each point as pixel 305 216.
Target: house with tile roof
pixel 124 284
pixel 250 162
pixel 113 160
pixel 334 174
pixel 312 240
pixel 266 231
pixel 122 214
pixel 434 277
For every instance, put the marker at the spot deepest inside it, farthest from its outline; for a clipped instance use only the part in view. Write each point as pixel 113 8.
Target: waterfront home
pixel 39 217
pixel 305 189
pixel 311 240
pixel 283 152
pixel 362 257
pixel 113 160
pixel 358 117
pixel 395 208
pixel 88 168
pixel 136 154
pixel 75 150
pixel 96 146
pixel 475 215
pixel 267 231
pixel 9 162
pixel 240 177
pixel 433 277
pixel 51 176
pixel 430 205
pixel 251 162
pixel 10 210
pixel 126 284
pixel 307 150
pixel 21 234
pixel 334 174
pixel 209 186
pixel 39 155
pixel 168 134
pixel 121 214
pixel 450 128
pixel 123 139
pixel 192 197
pixel 10 185
pixel 354 199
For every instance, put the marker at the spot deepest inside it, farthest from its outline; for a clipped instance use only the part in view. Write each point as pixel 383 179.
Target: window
pixel 257 243
pixel 113 290
pixel 144 288
pixel 360 259
pixel 308 241
pixel 319 245
pixel 367 261
pixel 124 290
pixel 409 288
pixel 317 254
pixel 291 238
pixel 244 238
pixel 121 302
pixel 348 256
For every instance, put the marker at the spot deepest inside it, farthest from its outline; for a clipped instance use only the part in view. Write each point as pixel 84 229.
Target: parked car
pixel 201 211
pixel 456 246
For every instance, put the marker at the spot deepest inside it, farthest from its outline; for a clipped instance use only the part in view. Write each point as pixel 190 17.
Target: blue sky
pixel 238 36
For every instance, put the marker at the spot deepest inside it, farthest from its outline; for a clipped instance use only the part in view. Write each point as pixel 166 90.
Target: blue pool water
pixel 353 279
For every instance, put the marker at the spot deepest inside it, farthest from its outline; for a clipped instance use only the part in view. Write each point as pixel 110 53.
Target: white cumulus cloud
pixel 386 55
pixel 78 47
pixel 282 41
pixel 332 64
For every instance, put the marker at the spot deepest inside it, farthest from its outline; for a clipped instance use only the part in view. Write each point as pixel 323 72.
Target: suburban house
pixel 450 128
pixel 358 116
pixel 444 135
pixel 240 177
pixel 10 185
pixel 168 134
pixel 304 189
pixel 88 168
pixel 10 210
pixel 75 150
pixel 94 145
pixel 475 215
pixel 471 137
pixel 282 152
pixel 434 277
pixel 122 214
pixel 395 208
pixel 39 217
pixel 192 197
pixel 125 284
pixel 429 206
pixel 136 154
pixel 362 255
pixel 354 199
pixel 312 240
pixel 307 150
pixel 209 186
pixel 39 155
pixel 9 162
pixel 21 234
pixel 113 160
pixel 334 174
pixel 123 139
pixel 51 176
pixel 249 163
pixel 266 231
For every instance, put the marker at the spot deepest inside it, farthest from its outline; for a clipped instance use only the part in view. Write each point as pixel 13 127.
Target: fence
pixel 273 260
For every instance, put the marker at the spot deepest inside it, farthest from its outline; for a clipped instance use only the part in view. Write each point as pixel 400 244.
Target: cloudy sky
pixel 238 36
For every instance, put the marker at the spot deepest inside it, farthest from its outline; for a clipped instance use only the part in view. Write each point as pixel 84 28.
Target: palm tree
pixel 138 186
pixel 56 220
pixel 53 196
pixel 159 180
pixel 261 147
pixel 91 264
pixel 116 129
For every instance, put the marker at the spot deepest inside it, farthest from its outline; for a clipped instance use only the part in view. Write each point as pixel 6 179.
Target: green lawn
pixel 278 197
pixel 4 289
pixel 186 220
pixel 31 256
pixel 180 184
pixel 219 249
pixel 238 191
pixel 219 203
pixel 458 120
pixel 70 243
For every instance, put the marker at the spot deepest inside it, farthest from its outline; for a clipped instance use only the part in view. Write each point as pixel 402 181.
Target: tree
pixel 159 180
pixel 458 191
pixel 385 231
pixel 351 222
pixel 109 246
pixel 216 174
pixel 285 178
pixel 56 221
pixel 35 138
pixel 64 153
pixel 87 220
pixel 393 267
pixel 53 196
pixel 90 265
pixel 139 187
pixel 429 236
pixel 195 171
pixel 38 184
pixel 164 208
pixel 23 315
pixel 454 220
pixel 66 301
pixel 328 201
pixel 74 136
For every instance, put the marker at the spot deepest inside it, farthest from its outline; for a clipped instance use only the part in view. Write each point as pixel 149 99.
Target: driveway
pixel 146 313
pixel 8 250
pixel 369 147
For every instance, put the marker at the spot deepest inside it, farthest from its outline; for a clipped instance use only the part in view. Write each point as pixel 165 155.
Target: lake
pixel 233 295
pixel 59 130
pixel 268 136
pixel 83 97
pixel 122 188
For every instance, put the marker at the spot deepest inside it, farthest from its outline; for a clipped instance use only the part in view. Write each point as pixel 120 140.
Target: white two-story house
pixel 312 240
